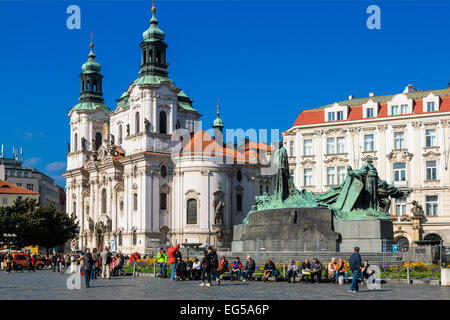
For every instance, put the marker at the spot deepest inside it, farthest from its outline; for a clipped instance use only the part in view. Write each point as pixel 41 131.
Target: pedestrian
pixel 54 261
pixel 95 267
pixel 88 262
pixel 355 267
pixel 214 264
pixel 106 258
pixel 9 259
pixel 206 270
pixel 30 263
pixel 172 254
pixel 161 258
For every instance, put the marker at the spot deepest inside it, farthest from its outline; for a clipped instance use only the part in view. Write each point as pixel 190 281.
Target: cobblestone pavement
pixel 52 285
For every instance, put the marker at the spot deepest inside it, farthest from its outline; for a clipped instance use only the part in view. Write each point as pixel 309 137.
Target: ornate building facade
pixel 143 174
pixel 406 134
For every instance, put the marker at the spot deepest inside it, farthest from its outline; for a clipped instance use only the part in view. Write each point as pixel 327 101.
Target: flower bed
pixel 419 270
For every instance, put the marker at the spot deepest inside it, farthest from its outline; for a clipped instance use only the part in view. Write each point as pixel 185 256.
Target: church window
pixel 120 238
pixel 239 202
pixel 88 85
pixel 75 142
pixel 120 134
pixel 239 175
pixel 94 86
pixel 134 238
pixel 135 201
pixel 150 56
pixel 163 122
pixel 163 171
pixel 158 56
pixel 260 190
pixel 98 140
pixel 137 122
pixel 163 201
pixel 192 211
pixel 103 200
pixel 135 171
pixel 144 57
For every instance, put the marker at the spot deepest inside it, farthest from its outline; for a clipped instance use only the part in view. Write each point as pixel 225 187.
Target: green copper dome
pixel 91 65
pixel 218 123
pixel 153 33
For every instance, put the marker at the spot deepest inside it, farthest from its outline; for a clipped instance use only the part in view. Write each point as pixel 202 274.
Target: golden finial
pixel 92 40
pixel 153 7
pixel 218 106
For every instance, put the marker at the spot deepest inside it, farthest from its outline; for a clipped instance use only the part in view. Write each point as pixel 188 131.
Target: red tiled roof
pixel 317 116
pixel 8 188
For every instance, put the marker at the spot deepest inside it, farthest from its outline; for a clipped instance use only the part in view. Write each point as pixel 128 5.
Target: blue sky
pixel 265 60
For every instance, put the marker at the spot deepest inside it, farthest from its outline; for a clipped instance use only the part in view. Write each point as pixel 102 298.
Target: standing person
pixel 214 264
pixel 249 268
pixel 30 263
pixel 292 271
pixel 96 258
pixel 88 262
pixel 9 259
pixel 355 267
pixel 206 269
pixel 106 256
pixel 161 258
pixel 54 261
pixel 172 258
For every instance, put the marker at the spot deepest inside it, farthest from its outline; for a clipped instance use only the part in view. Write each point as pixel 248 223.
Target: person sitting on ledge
pixel 341 270
pixel 223 266
pixel 292 271
pixel 236 268
pixel 181 269
pixel 316 270
pixel 249 268
pixel 189 265
pixel 332 269
pixel 306 270
pixel 364 273
pixel 196 269
pixel 270 269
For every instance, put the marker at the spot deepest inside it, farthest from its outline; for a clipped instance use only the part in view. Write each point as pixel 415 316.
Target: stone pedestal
pixel 286 230
pixel 368 235
pixel 445 277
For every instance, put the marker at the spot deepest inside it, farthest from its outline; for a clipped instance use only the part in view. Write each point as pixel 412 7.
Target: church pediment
pixel 399 155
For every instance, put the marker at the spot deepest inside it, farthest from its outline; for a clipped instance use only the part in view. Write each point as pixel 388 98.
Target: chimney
pixel 409 88
pixel 371 94
pixel 449 84
pixel 350 97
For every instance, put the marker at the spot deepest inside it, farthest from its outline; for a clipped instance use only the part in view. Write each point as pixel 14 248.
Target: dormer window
pixel 430 103
pixel 369 113
pixel 370 109
pixel 340 115
pixel 336 112
pixel 394 111
pixel 400 105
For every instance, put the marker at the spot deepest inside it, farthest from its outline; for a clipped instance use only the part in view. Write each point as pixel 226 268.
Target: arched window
pixel 135 171
pixel 120 134
pixel 178 124
pixel 88 85
pixel 163 122
pixel 94 86
pixel 135 201
pixel 158 56
pixel 239 202
pixel 137 122
pixel 260 190
pixel 191 211
pixel 150 56
pixel 144 57
pixel 98 140
pixel 134 238
pixel 163 201
pixel 103 200
pixel 120 238
pixel 75 142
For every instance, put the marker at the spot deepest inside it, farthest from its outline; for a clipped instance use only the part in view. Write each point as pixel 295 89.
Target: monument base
pixel 287 229
pixel 368 235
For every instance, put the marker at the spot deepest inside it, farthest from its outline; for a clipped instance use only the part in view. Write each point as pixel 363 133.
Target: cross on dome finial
pixel 92 40
pixel 153 6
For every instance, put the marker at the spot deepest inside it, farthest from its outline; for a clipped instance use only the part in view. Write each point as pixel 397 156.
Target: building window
pixel 239 175
pixel 98 140
pixel 368 142
pixel 340 142
pixel 25 174
pixel 5 201
pixel 239 202
pixel 29 186
pixel 120 238
pixel 291 172
pixel 137 122
pixel 291 148
pixel 162 122
pixel 307 177
pixel 430 138
pixel 340 115
pixel 192 211
pixel 120 205
pixel 404 109
pixel 307 147
pixel 369 113
pixel 399 140
pixel 267 189
pixel 75 142
pixel 163 201
pixel 431 170
pixel 400 206
pixel 120 134
pixel 431 206
pixel 163 171
pixel 135 201
pixel 260 190
pixel 330 145
pixel 331 116
pixel 331 176
pixel 134 238
pixel 430 106
pixel 103 200
pixel 399 172
pixel 394 110
pixel 340 174
pixel 74 205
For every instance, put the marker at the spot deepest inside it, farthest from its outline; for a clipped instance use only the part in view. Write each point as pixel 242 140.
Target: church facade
pixel 143 174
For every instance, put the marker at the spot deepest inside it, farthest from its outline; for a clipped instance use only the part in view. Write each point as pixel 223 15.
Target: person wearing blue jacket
pixel 356 266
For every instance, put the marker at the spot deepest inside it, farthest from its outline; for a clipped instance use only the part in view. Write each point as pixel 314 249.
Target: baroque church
pixel 142 174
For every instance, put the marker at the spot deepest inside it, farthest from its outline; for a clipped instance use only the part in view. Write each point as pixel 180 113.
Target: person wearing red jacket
pixel 236 268
pixel 172 258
